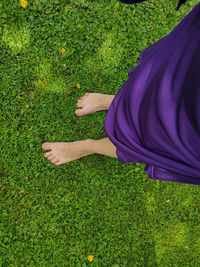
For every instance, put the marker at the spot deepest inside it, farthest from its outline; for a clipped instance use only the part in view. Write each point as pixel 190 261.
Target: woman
pixel 155 117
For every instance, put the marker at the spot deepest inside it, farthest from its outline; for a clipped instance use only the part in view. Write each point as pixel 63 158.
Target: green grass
pixel 96 205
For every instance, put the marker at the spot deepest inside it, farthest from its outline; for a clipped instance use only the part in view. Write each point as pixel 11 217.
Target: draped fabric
pixel 155 117
pixel 180 2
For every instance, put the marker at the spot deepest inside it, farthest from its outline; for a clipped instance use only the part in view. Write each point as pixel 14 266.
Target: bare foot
pixel 62 152
pixel 92 102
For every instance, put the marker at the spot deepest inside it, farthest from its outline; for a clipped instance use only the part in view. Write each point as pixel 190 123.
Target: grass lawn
pixel 95 211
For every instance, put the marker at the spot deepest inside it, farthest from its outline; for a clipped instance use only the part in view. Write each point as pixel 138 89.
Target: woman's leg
pixel 92 102
pixel 62 153
pixel 103 146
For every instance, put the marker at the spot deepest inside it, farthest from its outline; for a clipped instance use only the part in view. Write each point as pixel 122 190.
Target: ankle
pixel 102 146
pixel 88 146
pixel 109 100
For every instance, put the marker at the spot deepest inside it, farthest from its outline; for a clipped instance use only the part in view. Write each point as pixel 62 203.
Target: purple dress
pixel 155 117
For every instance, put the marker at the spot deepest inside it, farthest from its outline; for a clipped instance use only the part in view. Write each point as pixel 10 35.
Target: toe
pixel 54 160
pixel 51 157
pixel 79 104
pixel 46 146
pixel 79 112
pixel 48 154
pixel 58 163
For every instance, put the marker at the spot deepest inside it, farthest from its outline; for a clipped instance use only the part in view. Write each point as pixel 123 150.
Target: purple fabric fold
pixel 180 2
pixel 155 117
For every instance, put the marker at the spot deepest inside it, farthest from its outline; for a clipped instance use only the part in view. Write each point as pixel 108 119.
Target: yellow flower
pixel 90 258
pixel 63 50
pixel 78 85
pixel 24 3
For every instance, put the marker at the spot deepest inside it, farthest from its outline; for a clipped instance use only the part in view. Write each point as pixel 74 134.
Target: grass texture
pixel 95 211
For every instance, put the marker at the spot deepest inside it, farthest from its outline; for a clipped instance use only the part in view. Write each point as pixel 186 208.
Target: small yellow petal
pixel 90 258
pixel 63 50
pixel 78 85
pixel 24 3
